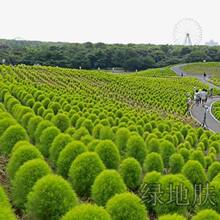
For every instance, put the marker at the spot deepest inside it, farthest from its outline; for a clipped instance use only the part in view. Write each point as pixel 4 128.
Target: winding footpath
pixel 198 112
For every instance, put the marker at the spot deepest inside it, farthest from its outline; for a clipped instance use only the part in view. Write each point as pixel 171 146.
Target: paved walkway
pixel 198 112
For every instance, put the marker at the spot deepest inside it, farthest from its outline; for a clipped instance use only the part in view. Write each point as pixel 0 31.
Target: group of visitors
pixel 201 96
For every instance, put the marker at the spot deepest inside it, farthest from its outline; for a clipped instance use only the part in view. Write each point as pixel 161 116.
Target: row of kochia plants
pixel 76 158
pixel 162 93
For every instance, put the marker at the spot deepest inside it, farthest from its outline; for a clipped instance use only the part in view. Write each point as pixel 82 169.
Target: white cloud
pixel 111 21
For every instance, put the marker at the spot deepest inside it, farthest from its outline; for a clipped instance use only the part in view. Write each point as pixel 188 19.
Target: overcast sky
pixel 109 21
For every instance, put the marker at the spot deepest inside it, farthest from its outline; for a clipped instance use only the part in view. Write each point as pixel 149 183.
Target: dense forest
pixel 104 56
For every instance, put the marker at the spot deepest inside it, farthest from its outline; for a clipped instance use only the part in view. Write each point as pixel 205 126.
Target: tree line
pixel 88 55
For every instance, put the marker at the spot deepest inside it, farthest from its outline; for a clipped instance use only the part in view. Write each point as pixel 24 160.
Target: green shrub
pixel 174 184
pixel 172 217
pixel 109 154
pixel 50 198
pixel 185 154
pixel 131 172
pixel 121 138
pixel 88 125
pixel 199 156
pixel 19 157
pixel 92 145
pixel 10 137
pixel 96 131
pixel 153 145
pixel 26 118
pixel 167 149
pixel 7 213
pixel 106 185
pixel 55 106
pixel 213 202
pixel 61 121
pixel 126 206
pixel 216 145
pixel 176 163
pixel 74 119
pixel 136 148
pixel 106 133
pixel 87 212
pixel 6 123
pixel 68 155
pixel 32 125
pixel 87 139
pixel 148 187
pixel 40 128
pixel 4 202
pixel 213 170
pixel 46 139
pixel 58 144
pixel 194 171
pixel 207 214
pixel 83 171
pixel 25 178
pixel 153 162
pixel 81 132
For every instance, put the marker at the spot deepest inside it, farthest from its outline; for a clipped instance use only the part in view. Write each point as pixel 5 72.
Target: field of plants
pixel 91 145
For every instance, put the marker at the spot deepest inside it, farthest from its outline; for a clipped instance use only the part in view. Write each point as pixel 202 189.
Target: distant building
pixel 211 43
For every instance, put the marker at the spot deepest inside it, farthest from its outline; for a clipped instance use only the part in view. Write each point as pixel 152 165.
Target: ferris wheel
pixel 187 32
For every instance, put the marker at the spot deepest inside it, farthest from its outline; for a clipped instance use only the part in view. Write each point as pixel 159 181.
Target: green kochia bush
pixel 40 128
pixel 50 199
pixel 61 121
pixel 153 145
pixel 126 206
pixel 20 144
pixel 167 149
pixel 5 123
pixel 47 138
pixel 83 171
pixel 213 170
pixel 7 213
pixel 199 156
pixel 68 155
pixel 153 162
pixel 5 207
pixel 136 148
pixel 25 178
pixel 194 171
pixel 174 184
pixel 214 198
pixel 176 163
pixel 19 157
pixel 10 137
pixel 87 212
pixel 150 181
pixel 3 198
pixel 58 144
pixel 207 214
pixel 109 154
pixel 32 125
pixel 121 139
pixel 106 185
pixel 130 170
pixel 172 217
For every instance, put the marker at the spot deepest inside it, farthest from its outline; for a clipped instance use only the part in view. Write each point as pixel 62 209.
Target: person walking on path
pixel 197 97
pixel 204 96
